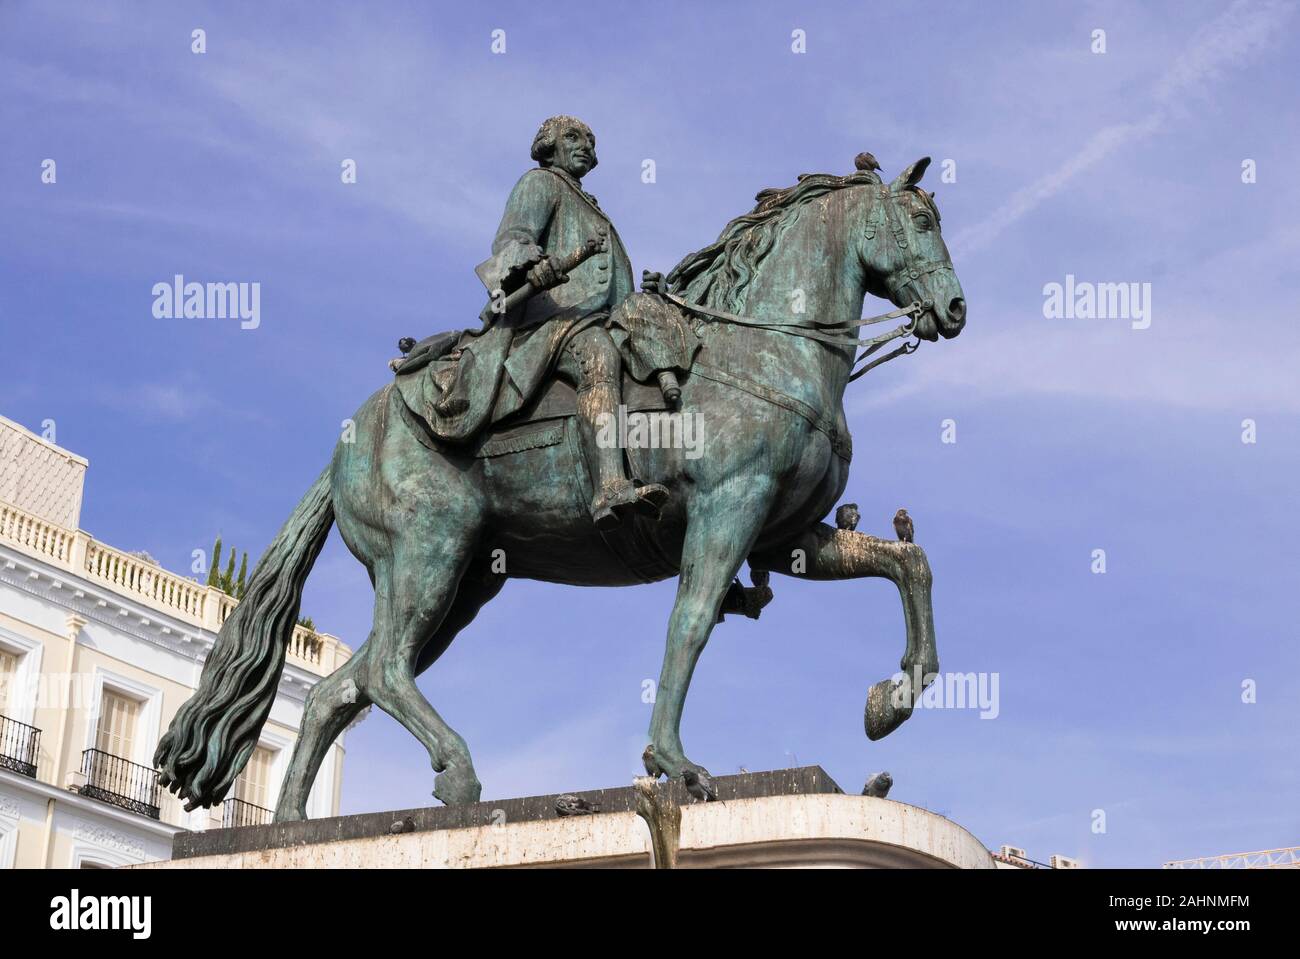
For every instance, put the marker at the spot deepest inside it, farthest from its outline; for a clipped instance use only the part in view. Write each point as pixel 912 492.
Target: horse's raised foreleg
pixel 723 525
pixel 826 553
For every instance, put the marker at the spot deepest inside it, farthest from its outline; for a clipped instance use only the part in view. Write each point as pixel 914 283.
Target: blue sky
pixel 1119 692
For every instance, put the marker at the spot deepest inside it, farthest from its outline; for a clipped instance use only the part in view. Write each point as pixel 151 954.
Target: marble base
pixel 787 818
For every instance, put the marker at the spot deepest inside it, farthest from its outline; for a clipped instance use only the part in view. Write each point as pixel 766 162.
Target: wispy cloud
pixel 1232 39
pixel 173 401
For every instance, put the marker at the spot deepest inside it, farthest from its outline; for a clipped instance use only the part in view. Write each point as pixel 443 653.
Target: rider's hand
pixel 543 275
pixel 652 282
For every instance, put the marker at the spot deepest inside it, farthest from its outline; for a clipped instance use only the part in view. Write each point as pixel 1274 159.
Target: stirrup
pixel 624 497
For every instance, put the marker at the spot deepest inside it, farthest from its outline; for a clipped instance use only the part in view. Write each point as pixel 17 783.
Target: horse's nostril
pixel 957 310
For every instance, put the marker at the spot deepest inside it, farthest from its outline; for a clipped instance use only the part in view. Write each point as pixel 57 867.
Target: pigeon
pixel 865 161
pixel 569 805
pixel 903 526
pixel 847 516
pixel 406 344
pixel 878 785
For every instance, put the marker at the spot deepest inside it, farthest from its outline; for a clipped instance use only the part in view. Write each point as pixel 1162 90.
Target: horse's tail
pixel 215 731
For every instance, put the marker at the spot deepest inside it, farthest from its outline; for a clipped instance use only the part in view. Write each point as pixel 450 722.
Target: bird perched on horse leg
pixel 847 516
pixel 903 526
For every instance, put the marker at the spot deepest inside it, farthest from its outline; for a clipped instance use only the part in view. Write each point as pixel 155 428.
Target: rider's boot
pixel 598 400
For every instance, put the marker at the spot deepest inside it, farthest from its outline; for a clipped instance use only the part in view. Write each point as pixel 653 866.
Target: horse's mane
pixel 718 275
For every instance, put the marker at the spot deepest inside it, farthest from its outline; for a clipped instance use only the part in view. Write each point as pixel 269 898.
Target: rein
pixel 844 335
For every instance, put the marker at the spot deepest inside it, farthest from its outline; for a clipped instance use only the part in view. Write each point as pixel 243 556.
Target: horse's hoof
pixel 455 788
pixel 699 784
pixel 696 778
pixel 885 710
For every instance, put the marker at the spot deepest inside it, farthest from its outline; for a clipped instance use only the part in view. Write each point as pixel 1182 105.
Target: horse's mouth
pixel 927 327
pixel 934 323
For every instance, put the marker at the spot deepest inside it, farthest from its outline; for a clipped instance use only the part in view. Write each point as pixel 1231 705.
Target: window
pixel 251 786
pixel 117 717
pixel 8 672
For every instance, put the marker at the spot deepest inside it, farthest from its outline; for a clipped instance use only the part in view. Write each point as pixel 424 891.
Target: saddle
pixel 656 341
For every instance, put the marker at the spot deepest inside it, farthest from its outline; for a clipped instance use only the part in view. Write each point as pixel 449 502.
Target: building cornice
pixel 84 807
pixel 137 587
pixel 93 602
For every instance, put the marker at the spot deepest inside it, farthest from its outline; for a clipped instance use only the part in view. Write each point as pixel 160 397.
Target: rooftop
pixel 40 506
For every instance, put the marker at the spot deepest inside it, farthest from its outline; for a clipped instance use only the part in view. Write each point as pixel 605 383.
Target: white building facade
pixel 98 650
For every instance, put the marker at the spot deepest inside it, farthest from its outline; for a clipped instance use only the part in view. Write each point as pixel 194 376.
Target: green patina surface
pixel 492 465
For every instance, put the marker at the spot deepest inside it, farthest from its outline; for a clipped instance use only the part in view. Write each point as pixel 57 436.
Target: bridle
pixel 845 334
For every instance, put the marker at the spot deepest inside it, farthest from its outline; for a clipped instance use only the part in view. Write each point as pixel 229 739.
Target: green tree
pixel 228 578
pixel 214 574
pixel 241 584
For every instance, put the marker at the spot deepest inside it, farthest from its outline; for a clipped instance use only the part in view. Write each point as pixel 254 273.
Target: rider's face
pixel 575 151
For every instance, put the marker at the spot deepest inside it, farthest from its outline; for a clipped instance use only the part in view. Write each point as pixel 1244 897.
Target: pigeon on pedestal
pixel 878 785
pixel 569 805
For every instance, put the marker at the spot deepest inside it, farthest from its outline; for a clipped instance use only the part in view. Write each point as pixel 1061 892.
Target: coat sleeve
pixel 520 239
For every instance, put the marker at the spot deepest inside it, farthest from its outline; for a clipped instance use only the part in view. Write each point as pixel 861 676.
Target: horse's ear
pixel 911 176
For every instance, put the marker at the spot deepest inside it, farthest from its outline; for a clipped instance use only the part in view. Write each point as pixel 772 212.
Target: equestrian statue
pixel 490 457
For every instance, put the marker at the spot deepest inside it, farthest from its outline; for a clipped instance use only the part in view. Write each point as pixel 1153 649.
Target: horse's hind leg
pixel 331 704
pixel 337 699
pixel 477 587
pixel 418 588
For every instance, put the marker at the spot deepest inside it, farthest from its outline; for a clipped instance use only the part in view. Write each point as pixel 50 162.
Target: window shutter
pixel 116 732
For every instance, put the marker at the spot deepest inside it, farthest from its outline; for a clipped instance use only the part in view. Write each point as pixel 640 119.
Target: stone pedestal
pixel 785 818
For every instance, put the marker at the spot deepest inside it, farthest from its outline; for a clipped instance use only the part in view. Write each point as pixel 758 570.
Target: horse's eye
pixel 922 221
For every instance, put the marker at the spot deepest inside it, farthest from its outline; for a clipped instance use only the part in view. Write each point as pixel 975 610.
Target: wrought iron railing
pixel 117 781
pixel 20 744
pixel 238 812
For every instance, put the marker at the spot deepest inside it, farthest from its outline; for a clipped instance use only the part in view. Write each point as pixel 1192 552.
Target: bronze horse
pixel 434 525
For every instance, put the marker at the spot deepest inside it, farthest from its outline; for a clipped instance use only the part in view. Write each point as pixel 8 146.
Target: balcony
pixel 237 812
pixel 20 744
pixel 118 782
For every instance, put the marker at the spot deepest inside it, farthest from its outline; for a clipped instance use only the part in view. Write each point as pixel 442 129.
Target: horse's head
pixel 905 258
